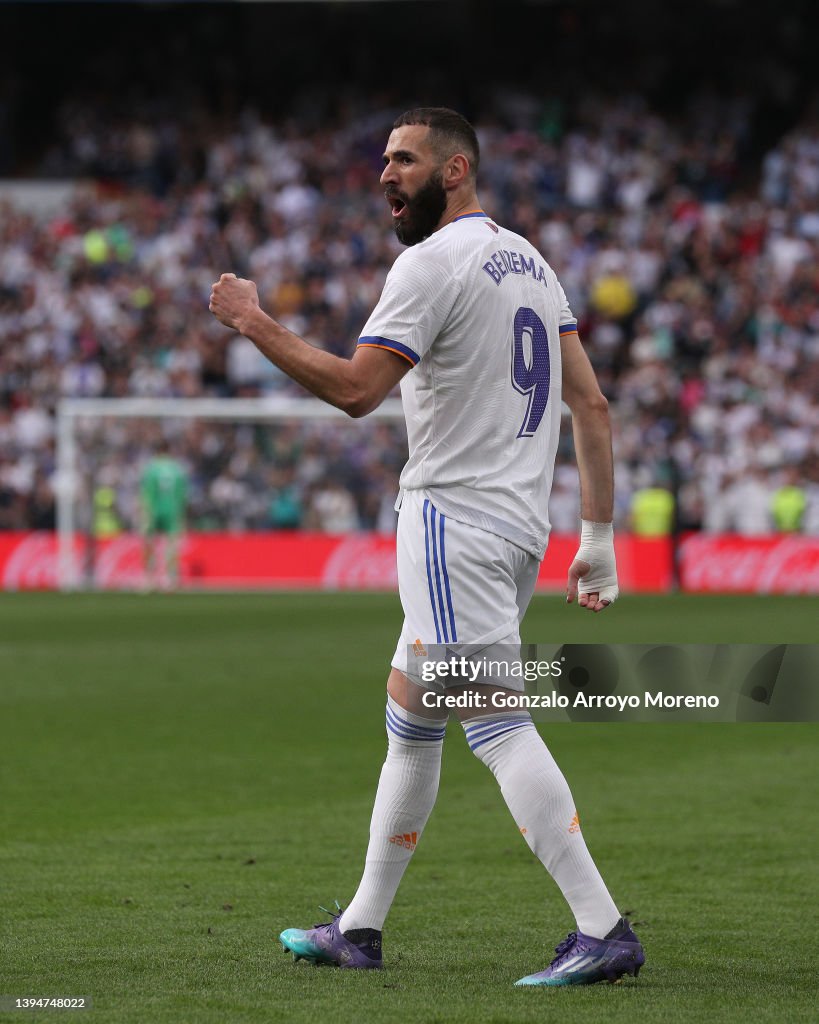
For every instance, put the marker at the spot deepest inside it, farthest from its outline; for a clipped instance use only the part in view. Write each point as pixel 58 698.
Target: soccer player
pixel 475 325
pixel 163 490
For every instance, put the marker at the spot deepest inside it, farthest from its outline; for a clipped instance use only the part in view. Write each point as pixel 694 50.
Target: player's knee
pixel 405 727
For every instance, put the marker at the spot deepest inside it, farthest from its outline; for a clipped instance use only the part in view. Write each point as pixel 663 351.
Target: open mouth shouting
pixel 397 203
pixel 415 217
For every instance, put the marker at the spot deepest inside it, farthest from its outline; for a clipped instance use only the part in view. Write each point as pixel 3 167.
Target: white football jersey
pixel 479 313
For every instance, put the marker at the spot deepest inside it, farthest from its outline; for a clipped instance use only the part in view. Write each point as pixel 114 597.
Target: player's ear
pixel 456 170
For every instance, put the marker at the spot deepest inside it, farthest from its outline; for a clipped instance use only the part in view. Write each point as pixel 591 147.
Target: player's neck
pixel 459 207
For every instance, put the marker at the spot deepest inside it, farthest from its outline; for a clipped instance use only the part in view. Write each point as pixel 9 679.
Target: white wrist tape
pixel 597 548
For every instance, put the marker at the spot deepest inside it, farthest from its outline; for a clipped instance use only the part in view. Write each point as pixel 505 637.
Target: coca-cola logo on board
pixel 361 562
pixel 32 564
pixel 765 565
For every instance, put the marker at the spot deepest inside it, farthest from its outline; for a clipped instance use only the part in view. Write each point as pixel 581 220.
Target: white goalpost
pixel 74 413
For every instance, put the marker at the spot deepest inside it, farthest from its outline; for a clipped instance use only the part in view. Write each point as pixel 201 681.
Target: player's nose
pixel 389 174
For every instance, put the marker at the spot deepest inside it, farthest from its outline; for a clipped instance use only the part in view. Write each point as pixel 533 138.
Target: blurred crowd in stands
pixel 691 264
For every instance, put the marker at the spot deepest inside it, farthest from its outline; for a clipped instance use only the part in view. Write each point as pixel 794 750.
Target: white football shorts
pixel 460 586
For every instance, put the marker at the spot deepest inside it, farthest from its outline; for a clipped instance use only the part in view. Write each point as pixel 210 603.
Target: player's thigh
pixel 169 525
pixel 458 584
pixel 157 525
pixel 414 698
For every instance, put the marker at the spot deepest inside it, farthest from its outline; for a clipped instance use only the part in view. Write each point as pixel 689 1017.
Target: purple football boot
pixel 582 960
pixel 324 944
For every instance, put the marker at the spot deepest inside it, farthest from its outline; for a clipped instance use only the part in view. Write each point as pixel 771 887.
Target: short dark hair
pixel 449 132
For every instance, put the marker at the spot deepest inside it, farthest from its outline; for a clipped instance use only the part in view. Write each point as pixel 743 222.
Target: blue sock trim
pixel 476 726
pixel 477 735
pixel 485 725
pixel 405 729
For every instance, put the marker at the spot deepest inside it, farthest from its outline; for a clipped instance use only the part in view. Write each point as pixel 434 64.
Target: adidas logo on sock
pixel 574 824
pixel 408 840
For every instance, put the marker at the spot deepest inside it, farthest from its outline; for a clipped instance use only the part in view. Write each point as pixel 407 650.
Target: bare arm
pixel 357 385
pixel 593 570
pixel 592 432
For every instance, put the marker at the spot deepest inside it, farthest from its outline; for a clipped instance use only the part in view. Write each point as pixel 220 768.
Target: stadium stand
pixel 688 243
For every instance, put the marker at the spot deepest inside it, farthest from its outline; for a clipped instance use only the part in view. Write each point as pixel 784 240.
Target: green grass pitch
pixel 182 776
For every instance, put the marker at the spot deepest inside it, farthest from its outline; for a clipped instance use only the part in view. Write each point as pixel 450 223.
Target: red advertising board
pixel 720 563
pixel 356 561
pixel 709 563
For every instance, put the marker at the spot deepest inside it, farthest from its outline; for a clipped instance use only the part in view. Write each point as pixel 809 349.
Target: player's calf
pixel 542 806
pixel 406 793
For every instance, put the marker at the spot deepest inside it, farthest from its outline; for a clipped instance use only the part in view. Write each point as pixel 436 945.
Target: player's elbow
pixel 598 405
pixel 358 408
pixel 589 402
pixel 358 401
pixel 362 393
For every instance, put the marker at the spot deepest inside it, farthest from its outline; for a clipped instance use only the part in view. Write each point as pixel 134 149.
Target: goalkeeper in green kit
pixel 164 491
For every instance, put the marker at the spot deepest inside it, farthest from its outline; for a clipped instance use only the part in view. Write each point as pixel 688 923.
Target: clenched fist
pixel 233 300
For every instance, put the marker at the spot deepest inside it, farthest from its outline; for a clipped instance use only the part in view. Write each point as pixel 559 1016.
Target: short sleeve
pixel 415 304
pixel 566 320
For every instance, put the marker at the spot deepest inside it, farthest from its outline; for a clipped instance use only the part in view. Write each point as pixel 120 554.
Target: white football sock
pixel 406 794
pixel 541 803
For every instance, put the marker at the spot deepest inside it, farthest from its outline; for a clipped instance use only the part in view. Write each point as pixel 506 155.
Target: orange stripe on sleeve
pixel 395 352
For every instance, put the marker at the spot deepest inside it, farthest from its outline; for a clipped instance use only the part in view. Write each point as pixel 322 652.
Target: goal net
pixel 257 470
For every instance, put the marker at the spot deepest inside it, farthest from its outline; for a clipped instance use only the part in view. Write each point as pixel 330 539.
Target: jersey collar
pixel 470 213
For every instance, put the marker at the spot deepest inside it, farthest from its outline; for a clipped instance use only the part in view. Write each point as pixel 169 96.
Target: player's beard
pixel 423 211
